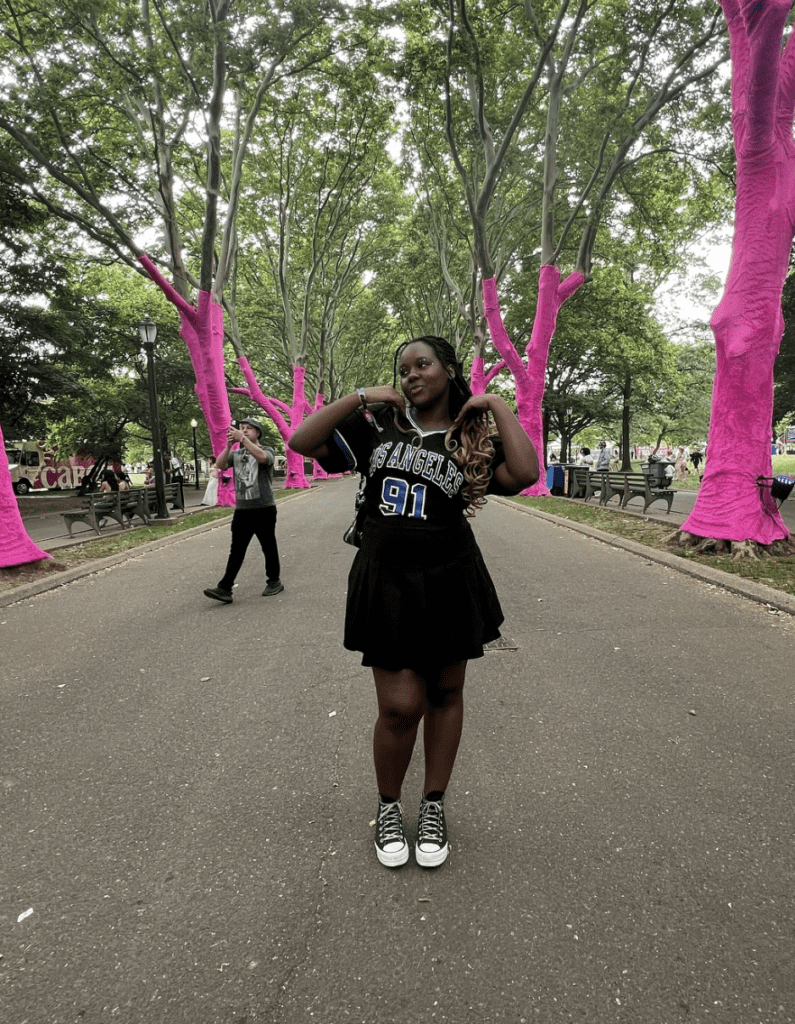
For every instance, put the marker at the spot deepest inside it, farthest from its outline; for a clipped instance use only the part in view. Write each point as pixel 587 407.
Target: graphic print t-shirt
pixel 406 484
pixel 253 487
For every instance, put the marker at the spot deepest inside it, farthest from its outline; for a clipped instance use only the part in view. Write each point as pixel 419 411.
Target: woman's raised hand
pixel 388 395
pixel 477 405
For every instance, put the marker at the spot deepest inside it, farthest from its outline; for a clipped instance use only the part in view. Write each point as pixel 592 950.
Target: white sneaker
pixel 432 846
pixel 391 845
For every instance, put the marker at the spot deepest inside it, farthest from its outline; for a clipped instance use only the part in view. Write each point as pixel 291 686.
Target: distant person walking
pixel 696 457
pixel 175 468
pixel 211 493
pixel 680 464
pixel 255 508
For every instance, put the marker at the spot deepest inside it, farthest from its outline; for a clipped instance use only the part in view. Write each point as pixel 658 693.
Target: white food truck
pixel 32 465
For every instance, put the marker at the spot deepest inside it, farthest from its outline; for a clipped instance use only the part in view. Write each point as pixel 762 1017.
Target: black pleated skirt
pixel 419 597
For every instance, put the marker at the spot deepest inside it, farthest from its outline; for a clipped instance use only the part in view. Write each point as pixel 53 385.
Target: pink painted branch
pixel 318 473
pixel 528 397
pixel 256 394
pixel 283 406
pixel 570 286
pixel 295 477
pixel 494 371
pixel 499 335
pixel 738 46
pixel 551 296
pixel 167 289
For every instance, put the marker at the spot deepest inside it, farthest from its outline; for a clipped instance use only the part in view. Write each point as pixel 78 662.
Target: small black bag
pixel 353 535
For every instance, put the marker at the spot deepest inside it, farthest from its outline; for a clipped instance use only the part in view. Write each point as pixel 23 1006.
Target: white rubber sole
pixel 392 858
pixel 431 858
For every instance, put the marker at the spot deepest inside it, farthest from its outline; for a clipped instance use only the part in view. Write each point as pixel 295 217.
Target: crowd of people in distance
pixel 608 457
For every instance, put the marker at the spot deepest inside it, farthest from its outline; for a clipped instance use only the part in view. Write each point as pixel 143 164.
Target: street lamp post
pixel 194 424
pixel 148 332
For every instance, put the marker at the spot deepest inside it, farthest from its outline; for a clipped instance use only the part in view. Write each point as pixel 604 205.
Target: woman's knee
pixel 447 689
pixel 401 713
pixel 401 699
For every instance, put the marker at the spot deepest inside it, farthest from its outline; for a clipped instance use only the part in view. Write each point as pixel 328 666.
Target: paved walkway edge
pixel 60 579
pixel 725 580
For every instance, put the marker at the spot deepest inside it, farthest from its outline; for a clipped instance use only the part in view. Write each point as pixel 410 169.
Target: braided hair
pixel 469 442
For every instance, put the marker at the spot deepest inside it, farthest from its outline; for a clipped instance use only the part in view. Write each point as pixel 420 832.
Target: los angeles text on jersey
pixel 433 466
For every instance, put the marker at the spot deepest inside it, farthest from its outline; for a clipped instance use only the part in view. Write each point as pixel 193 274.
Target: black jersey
pixel 411 477
pixel 419 562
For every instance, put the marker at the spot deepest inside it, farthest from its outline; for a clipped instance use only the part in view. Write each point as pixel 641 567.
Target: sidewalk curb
pixel 725 580
pixel 59 579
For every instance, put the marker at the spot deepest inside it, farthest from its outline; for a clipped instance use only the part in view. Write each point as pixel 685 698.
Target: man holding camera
pixel 255 507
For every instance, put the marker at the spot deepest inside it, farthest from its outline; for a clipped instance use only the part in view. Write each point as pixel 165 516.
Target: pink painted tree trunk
pixel 202 330
pixel 529 376
pixel 747 323
pixel 287 418
pixel 16 547
pixel 318 473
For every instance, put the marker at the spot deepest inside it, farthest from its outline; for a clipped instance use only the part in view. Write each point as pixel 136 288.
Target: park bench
pixel 585 483
pixel 121 506
pixel 613 483
pixel 634 485
pixel 174 496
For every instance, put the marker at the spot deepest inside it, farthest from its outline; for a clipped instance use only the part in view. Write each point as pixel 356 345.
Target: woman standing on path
pixel 680 465
pixel 420 600
pixel 211 492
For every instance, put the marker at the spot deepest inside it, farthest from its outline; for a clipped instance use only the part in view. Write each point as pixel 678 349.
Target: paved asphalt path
pixel 187 787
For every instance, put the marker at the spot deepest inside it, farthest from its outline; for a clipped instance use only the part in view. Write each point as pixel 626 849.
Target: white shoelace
pixel 390 823
pixel 431 815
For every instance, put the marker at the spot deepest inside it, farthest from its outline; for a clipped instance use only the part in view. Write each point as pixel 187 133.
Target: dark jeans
pixel 248 523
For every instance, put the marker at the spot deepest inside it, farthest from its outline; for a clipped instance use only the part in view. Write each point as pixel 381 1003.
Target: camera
pixel 235 424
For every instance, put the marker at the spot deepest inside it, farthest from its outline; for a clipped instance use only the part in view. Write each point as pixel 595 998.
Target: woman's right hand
pixel 387 395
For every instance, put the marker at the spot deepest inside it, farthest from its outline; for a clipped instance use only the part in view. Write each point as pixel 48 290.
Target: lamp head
pixel 147 331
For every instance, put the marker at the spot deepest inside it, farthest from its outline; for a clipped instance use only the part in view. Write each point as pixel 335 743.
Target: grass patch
pixel 778 573
pixel 105 547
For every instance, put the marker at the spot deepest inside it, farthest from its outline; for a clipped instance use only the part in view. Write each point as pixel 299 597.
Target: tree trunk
pixel 202 330
pixel 531 378
pixel 626 463
pixel 16 547
pixel 748 323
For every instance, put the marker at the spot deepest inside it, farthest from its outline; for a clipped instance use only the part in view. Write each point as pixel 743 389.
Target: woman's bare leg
pixel 444 720
pixel 401 704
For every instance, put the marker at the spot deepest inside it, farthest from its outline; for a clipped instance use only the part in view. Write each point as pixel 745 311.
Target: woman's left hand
pixel 477 405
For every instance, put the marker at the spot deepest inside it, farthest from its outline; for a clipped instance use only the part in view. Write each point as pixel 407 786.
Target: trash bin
pixel 558 485
pixel 656 472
